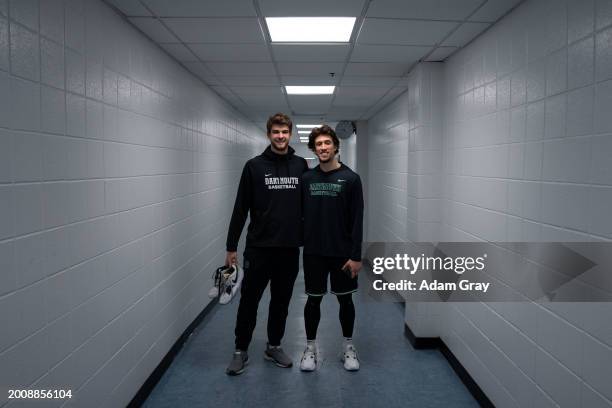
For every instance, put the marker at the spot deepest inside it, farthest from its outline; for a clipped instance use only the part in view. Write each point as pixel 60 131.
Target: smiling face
pixel 279 138
pixel 324 148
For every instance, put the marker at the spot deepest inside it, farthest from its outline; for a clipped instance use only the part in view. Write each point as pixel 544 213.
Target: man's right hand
pixel 231 258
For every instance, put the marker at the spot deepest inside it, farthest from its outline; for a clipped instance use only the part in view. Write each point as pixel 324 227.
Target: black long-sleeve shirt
pixel 270 189
pixel 333 213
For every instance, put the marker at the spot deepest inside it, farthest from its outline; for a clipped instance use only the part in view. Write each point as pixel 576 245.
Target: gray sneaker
pixel 238 363
pixel 278 356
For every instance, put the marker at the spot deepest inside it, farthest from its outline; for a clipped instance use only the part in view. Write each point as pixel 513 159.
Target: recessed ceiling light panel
pixel 309 90
pixel 307 126
pixel 310 29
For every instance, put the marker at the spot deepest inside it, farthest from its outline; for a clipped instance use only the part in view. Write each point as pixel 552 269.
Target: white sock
pixel 311 345
pixel 348 341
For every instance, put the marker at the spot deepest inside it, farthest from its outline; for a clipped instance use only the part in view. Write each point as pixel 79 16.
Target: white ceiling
pixel 227 45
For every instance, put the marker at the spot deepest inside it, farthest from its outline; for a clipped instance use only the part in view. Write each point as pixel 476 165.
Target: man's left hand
pixel 354 267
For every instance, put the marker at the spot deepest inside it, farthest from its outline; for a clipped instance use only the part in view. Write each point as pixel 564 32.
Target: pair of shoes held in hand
pixel 226 283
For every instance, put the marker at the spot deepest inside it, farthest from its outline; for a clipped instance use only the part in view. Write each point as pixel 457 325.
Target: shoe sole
pixel 308 370
pixel 267 357
pixel 349 369
pixel 234 373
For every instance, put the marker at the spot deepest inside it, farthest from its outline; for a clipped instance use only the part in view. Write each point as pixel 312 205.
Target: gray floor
pixel 392 373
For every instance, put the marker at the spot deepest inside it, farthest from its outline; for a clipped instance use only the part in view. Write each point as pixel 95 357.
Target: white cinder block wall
pixel 405 159
pixel 405 145
pixel 116 167
pixel 526 146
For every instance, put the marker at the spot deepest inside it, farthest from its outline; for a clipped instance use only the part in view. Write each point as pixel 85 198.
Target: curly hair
pixel 323 130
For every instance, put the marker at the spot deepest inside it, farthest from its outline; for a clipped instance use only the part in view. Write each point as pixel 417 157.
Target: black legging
pixel 312 315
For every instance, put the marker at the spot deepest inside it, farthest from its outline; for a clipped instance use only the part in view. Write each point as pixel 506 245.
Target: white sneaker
pixel 349 358
pixel 217 277
pixel 309 359
pixel 230 284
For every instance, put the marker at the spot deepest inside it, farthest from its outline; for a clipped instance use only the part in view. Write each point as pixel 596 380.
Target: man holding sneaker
pixel 333 219
pixel 270 190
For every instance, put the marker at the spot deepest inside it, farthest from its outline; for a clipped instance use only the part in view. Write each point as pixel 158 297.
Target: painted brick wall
pixel 526 147
pixel 116 167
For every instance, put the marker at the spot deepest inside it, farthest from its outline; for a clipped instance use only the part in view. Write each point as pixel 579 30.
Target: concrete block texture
pixel 116 167
pixel 538 172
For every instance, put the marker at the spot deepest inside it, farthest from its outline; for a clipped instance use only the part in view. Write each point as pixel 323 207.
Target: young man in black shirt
pixel 333 219
pixel 270 190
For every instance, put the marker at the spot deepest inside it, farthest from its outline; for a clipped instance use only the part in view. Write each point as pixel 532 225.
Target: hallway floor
pixel 392 373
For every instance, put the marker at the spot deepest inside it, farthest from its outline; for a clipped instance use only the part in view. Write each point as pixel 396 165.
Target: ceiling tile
pixel 310 119
pixel 129 8
pixel 199 8
pixel 310 99
pixel 266 113
pixel 493 10
pixel 231 52
pixel 310 52
pixel 360 92
pixel 242 69
pixel 376 68
pixel 308 80
pixel 464 34
pixel 216 30
pixel 197 68
pixel 153 29
pixel 179 52
pixel 369 80
pixel 441 53
pixel 258 116
pixel 345 113
pixel 424 9
pixel 310 104
pixel 404 32
pixel 210 80
pixel 311 8
pixel 250 80
pixel 232 100
pixel 221 90
pixel 388 53
pixel 270 104
pixel 308 68
pixel 262 91
pixel 359 96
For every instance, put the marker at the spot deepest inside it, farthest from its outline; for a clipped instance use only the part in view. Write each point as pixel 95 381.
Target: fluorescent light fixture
pixel 307 126
pixel 309 90
pixel 304 132
pixel 310 29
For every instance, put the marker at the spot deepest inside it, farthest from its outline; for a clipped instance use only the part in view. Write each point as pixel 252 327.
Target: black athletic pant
pixel 312 315
pixel 279 266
